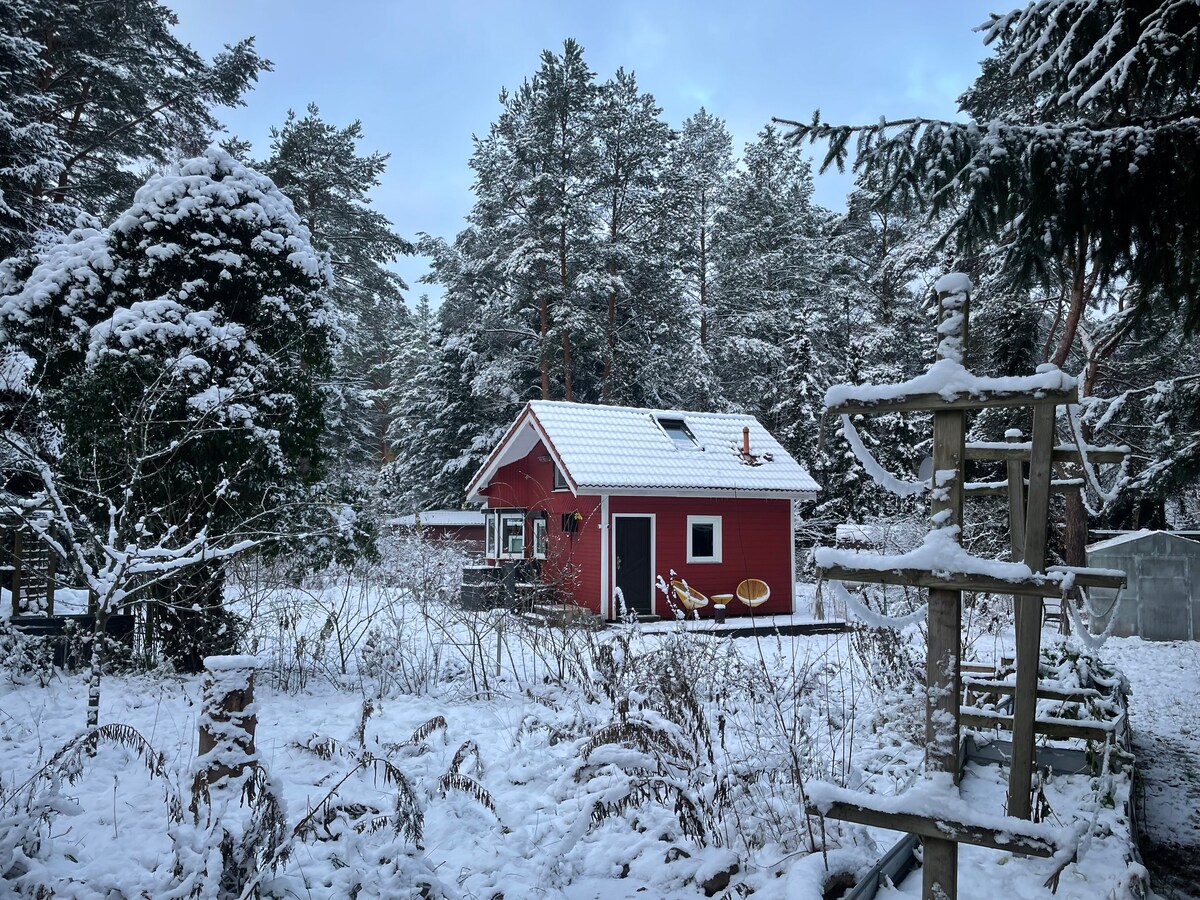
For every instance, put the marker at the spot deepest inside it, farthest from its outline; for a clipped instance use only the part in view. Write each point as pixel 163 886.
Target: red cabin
pixel 605 501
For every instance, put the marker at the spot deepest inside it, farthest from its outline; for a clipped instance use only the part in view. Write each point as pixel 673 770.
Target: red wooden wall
pixel 756 543
pixel 756 537
pixel 572 559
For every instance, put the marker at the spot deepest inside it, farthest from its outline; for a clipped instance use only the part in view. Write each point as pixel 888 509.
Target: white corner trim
pixel 605 574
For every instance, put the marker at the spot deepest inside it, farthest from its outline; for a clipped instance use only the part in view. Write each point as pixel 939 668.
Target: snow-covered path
pixel 1165 717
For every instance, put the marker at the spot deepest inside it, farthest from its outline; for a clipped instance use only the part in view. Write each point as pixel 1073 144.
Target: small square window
pixel 560 480
pixel 704 539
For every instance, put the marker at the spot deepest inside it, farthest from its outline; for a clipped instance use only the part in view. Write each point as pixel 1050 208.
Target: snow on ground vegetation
pixel 408 747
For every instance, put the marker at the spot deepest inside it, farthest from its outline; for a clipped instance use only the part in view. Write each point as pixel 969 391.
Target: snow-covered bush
pixel 379 624
pixel 25 658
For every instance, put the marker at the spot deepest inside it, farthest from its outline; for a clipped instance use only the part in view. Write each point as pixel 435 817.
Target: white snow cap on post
pixel 231 663
pixel 954 283
pixel 952 289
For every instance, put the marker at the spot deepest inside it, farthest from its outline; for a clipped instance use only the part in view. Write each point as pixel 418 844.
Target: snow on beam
pixel 948 385
pixel 1039 585
pixel 996 451
pixel 938 403
pixel 1055 728
pixel 1044 691
pixel 947 818
pixel 1000 488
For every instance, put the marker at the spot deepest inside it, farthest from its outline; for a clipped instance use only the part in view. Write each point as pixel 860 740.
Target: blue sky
pixel 424 77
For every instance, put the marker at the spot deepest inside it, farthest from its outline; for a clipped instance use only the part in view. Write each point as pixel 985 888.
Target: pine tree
pixel 648 353
pixel 319 166
pixel 699 171
pixel 92 89
pixel 770 255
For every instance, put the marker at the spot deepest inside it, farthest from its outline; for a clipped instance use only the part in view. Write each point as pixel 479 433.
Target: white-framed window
pixel 539 538
pixel 512 535
pixel 704 539
pixel 560 480
pixel 491 547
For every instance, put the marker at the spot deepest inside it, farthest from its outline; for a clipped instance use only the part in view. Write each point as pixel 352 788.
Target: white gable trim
pixel 496 460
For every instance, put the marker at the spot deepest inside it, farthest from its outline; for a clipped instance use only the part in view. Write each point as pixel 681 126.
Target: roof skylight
pixel 679 433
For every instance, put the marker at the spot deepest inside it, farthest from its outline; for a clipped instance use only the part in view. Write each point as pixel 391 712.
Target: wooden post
pixel 1029 616
pixel 1016 512
pixel 1016 500
pixel 943 690
pixel 227 722
pixel 15 587
pixel 51 576
pixel 945 606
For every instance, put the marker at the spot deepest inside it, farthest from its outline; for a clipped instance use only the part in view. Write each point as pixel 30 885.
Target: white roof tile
pixel 615 448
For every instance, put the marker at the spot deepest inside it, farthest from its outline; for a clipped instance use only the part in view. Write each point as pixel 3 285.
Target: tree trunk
pixel 98 633
pixel 562 282
pixel 605 391
pixel 566 346
pixel 703 280
pixel 1075 513
pixel 544 333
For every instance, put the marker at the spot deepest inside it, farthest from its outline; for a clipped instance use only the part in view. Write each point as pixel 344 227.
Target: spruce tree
pixel 180 353
pixel 1098 155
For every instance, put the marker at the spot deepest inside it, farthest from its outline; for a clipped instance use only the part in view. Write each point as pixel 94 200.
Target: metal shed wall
pixel 1162 599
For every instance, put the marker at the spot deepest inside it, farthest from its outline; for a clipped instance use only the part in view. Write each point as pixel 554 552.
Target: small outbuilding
pixel 607 502
pixel 460 526
pixel 1161 601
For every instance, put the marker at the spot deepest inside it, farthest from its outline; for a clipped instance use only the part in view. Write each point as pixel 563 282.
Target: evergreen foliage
pixel 180 354
pixel 1098 156
pixel 319 167
pixel 93 89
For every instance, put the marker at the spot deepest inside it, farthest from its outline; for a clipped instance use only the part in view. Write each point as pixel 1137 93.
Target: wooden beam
pixel 940 829
pixel 1000 488
pixel 1035 587
pixel 1064 453
pixel 938 403
pixel 1044 692
pixel 1055 729
pixel 1029 620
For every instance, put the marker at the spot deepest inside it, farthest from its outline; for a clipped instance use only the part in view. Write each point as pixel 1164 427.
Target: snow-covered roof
pixel 851 533
pixel 619 449
pixel 1129 537
pixel 441 518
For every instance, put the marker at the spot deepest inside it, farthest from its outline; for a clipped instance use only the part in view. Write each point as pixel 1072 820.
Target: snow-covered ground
pixel 597 764
pixel 1165 716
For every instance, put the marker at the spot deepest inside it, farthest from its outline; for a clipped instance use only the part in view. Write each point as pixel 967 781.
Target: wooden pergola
pixel 1029 501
